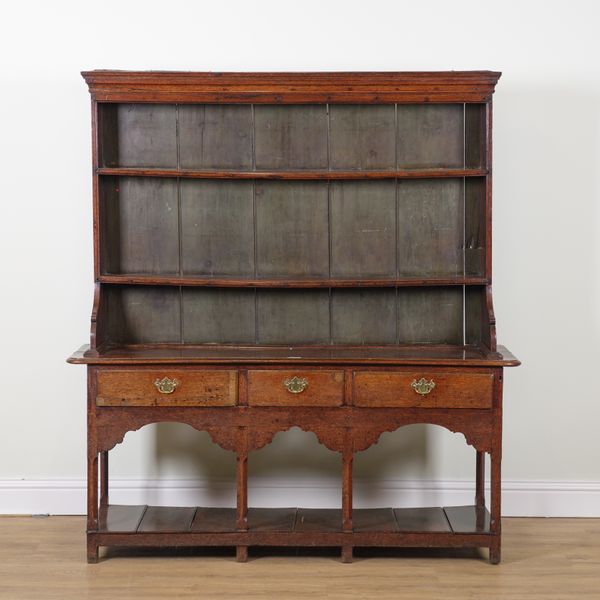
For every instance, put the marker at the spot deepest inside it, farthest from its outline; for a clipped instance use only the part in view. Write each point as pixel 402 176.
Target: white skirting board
pixel 519 498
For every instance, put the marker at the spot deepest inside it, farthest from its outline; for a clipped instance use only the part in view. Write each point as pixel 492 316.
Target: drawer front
pixel 169 387
pixel 428 389
pixel 295 388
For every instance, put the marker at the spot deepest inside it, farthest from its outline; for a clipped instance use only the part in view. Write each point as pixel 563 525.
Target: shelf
pixel 287 283
pixel 292 523
pixel 316 174
pixel 472 356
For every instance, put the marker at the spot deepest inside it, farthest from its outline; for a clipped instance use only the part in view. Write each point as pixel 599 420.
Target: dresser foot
pixel 495 553
pixel 92 552
pixel 346 554
pixel 241 553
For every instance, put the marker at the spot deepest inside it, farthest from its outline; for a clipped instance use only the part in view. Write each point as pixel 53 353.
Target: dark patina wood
pixel 278 250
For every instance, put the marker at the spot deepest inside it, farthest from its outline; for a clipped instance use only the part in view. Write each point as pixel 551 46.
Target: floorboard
pixel 44 558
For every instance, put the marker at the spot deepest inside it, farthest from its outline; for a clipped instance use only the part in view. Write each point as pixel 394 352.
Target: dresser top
pixel 338 87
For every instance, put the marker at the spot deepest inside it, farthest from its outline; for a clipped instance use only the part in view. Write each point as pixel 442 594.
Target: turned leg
pixel 242 503
pixel 347 460
pixel 104 479
pixel 495 507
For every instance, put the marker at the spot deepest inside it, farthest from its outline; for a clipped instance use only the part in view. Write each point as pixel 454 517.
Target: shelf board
pixel 426 354
pixel 318 174
pixel 287 283
pixel 456 519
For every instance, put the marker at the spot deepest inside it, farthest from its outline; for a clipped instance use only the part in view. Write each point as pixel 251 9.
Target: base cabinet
pixel 243 408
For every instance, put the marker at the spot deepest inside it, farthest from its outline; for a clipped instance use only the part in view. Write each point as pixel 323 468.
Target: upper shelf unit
pixel 294 141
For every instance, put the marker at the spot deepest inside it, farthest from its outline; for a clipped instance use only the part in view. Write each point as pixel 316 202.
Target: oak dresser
pixel 277 250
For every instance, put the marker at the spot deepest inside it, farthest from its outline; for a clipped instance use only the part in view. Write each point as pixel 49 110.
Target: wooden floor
pixel 548 559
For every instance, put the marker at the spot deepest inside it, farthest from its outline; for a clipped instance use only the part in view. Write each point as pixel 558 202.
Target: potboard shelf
pixel 285 523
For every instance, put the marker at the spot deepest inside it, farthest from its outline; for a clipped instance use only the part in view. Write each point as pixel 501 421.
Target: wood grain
pixel 218 316
pixel 430 227
pixel 166 518
pixel 217 231
pixel 318 174
pixel 139 135
pixel 544 558
pixel 421 519
pixel 288 137
pixel 140 232
pixel 293 316
pixel 143 314
pixel 213 136
pixel 430 315
pixel 452 390
pixel 363 229
pixel 268 88
pixel 362 137
pixel 430 135
pixel 363 316
pixel 291 229
pixel 266 388
pixel 135 387
pixel 429 354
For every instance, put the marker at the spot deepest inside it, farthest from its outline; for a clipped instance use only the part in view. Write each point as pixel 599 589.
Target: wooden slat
pixel 468 519
pixel 166 518
pixel 373 519
pixel 430 136
pixel 430 228
pixel 140 225
pixel 271 519
pixel 421 519
pixel 363 229
pixel 292 238
pixel 139 135
pixel 475 227
pixel 365 316
pixel 215 136
pixel 318 519
pixel 362 137
pixel 290 174
pixel 430 315
pixel 218 316
pixel 143 314
pixel 288 137
pixel 214 520
pixel 293 316
pixel 217 233
pixel 120 517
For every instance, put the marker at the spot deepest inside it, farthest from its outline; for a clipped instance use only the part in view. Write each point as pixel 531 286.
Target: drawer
pixel 168 387
pixel 429 389
pixel 295 388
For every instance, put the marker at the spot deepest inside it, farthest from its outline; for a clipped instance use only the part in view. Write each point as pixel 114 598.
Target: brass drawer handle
pixel 166 385
pixel 295 385
pixel 422 386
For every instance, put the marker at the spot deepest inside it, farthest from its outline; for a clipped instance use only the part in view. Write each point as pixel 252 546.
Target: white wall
pixel 546 236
